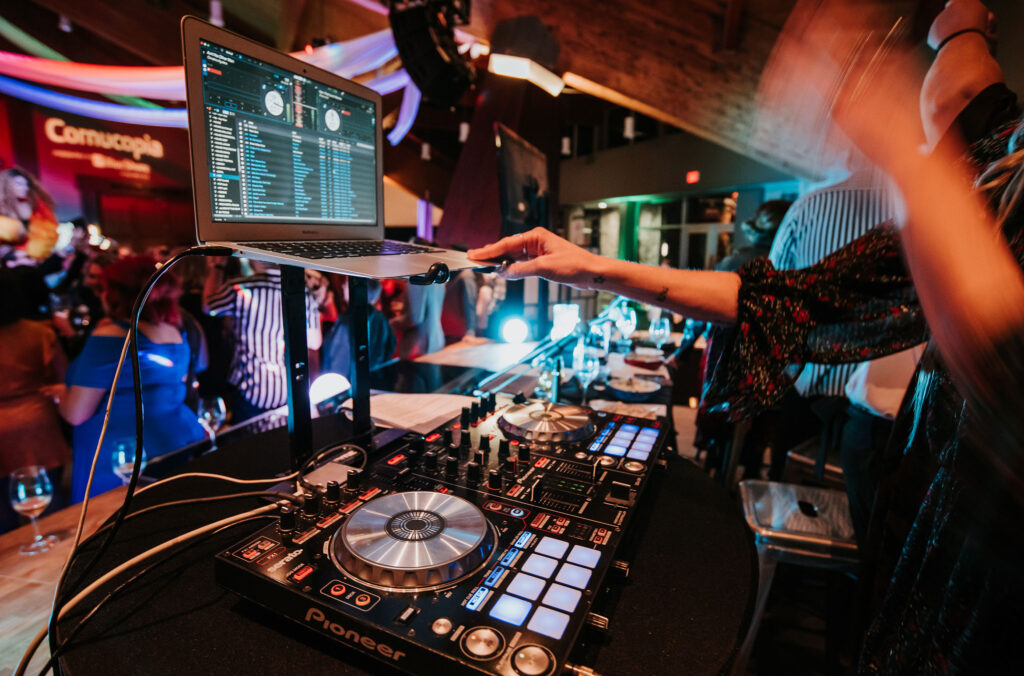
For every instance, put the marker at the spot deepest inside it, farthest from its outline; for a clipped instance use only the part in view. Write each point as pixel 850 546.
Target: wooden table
pixel 26 582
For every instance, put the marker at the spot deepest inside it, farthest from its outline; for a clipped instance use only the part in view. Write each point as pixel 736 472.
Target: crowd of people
pixel 211 329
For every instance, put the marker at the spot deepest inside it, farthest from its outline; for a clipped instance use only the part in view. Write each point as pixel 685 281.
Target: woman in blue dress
pixel 168 423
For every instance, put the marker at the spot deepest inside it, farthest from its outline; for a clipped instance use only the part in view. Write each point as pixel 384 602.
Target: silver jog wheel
pixel 413 541
pixel 544 422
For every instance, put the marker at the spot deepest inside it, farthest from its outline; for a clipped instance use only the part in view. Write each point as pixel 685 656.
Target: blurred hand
pixel 957 16
pixel 62 324
pixel 56 392
pixel 542 253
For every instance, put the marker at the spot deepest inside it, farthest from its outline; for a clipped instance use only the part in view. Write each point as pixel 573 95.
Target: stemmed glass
pixel 660 331
pixel 31 493
pixel 122 459
pixel 625 322
pixel 212 414
pixel 586 364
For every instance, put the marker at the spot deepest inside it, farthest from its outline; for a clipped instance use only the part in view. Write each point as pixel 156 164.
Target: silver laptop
pixel 286 161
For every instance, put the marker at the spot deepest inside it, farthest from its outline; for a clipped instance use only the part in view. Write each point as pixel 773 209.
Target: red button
pixel 442 489
pixel 433 437
pixel 363 600
pixel 302 573
pixel 394 460
pixel 337 590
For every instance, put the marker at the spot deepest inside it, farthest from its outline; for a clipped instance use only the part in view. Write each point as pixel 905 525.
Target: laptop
pixel 287 161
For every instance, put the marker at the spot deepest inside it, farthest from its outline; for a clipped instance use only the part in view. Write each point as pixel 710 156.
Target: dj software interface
pixel 283 147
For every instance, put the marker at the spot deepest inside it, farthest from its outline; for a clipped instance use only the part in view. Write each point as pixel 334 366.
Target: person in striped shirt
pixel 253 307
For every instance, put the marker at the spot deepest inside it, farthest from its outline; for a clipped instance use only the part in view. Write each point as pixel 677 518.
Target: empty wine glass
pixel 586 364
pixel 31 493
pixel 122 459
pixel 212 414
pixel 625 322
pixel 660 331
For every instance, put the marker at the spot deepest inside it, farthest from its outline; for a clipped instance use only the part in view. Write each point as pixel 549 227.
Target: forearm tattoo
pixel 662 296
pixel 599 279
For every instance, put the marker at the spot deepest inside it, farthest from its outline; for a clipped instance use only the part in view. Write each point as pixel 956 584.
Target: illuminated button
pixel 337 589
pixel 584 556
pixel 595 447
pixel 517 512
pixel 527 586
pixel 552 547
pixel 617 451
pixel 510 557
pixel 394 460
pixel 633 465
pixel 549 623
pixel 478 598
pixel 562 597
pixel 482 642
pixel 532 660
pixel 648 432
pixel 433 437
pixel 523 539
pixel 643 446
pixel 541 566
pixel 510 609
pixel 495 575
pixel 441 626
pixel 302 573
pixel 629 428
pixel 574 576
pixel 638 455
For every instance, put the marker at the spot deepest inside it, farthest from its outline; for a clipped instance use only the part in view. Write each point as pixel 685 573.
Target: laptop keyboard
pixel 341 248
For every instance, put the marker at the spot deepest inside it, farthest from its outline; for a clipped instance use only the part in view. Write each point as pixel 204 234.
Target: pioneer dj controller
pixel 477 549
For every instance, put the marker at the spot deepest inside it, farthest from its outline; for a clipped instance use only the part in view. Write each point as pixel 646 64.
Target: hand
pixel 542 253
pixel 957 16
pixel 62 324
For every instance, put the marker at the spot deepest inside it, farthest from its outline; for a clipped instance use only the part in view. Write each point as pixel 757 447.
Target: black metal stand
pixel 296 355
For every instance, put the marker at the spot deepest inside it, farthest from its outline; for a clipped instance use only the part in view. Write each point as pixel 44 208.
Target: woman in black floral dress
pixel 947 553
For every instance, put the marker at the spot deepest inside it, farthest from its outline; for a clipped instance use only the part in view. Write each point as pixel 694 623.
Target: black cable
pixel 65 644
pixel 59 599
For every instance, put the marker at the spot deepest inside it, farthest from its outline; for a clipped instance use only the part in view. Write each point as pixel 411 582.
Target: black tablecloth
pixel 683 610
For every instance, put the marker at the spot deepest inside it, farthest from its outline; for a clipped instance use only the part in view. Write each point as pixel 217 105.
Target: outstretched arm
pixel 703 295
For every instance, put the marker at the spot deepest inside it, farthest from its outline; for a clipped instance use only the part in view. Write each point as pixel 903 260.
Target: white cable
pixel 130 563
pixel 220 477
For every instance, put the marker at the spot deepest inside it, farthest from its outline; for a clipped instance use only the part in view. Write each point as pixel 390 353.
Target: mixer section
pixel 477 548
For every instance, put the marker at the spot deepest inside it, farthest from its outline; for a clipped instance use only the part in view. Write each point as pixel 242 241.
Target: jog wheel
pixel 413 541
pixel 544 422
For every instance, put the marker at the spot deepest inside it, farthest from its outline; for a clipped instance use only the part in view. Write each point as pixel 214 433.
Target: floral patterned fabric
pixel 947 553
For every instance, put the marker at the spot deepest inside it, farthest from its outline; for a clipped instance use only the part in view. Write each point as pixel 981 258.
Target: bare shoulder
pixel 109 328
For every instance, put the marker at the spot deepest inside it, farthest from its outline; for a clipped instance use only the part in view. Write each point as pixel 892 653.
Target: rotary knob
pixel 333 492
pixel 287 521
pixel 430 460
pixel 451 467
pixel 473 473
pixel 523 453
pixel 494 480
pixel 354 480
pixel 485 443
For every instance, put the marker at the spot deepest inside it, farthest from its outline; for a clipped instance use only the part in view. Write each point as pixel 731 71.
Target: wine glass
pixel 586 364
pixel 122 459
pixel 31 493
pixel 212 414
pixel 660 331
pixel 625 322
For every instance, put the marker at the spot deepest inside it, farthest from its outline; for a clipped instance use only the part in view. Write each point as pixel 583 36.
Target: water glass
pixel 586 365
pixel 122 459
pixel 212 414
pixel 660 331
pixel 625 322
pixel 30 494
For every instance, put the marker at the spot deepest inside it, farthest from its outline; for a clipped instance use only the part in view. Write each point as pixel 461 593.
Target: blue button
pixel 574 576
pixel 523 539
pixel 510 557
pixel 563 598
pixel 584 556
pixel 642 446
pixel 618 451
pixel 510 609
pixel 478 598
pixel 549 622
pixel 594 447
pixel 629 428
pixel 541 566
pixel 552 547
pixel 516 512
pixel 648 434
pixel 527 586
pixel 495 575
pixel 638 455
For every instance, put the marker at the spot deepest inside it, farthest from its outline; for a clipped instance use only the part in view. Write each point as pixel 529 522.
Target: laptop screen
pixel 283 148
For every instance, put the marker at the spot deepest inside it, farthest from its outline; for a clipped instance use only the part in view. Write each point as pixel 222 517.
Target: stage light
pixel 523 47
pixel 328 385
pixel 514 330
pixel 602 205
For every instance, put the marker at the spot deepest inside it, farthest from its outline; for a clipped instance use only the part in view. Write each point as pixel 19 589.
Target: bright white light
pixel 525 69
pixel 326 386
pixel 664 249
pixel 514 330
pixel 565 318
pixel 602 205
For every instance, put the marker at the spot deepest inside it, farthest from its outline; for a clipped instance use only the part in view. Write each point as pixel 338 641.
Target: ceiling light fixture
pixel 524 48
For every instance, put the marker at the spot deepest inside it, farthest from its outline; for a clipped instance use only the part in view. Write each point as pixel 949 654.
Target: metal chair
pixel 794 524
